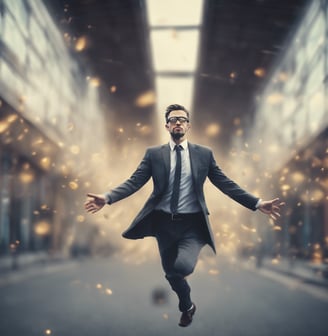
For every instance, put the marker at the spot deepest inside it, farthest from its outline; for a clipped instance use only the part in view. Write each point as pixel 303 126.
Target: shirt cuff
pixel 108 199
pixel 258 203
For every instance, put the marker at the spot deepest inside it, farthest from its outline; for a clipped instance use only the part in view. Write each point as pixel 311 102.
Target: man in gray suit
pixel 176 212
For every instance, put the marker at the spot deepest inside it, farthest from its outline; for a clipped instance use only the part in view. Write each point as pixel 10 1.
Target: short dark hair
pixel 175 107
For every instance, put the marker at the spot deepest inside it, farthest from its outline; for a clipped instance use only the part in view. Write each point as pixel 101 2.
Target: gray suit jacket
pixel 156 164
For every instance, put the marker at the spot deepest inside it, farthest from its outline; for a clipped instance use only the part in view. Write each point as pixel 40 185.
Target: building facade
pixel 49 112
pixel 290 135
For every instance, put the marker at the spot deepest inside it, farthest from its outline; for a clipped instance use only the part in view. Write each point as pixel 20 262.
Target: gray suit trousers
pixel 180 242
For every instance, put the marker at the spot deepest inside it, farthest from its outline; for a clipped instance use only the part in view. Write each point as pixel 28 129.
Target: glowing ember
pixel 109 291
pixel 213 271
pixel 275 98
pixel 259 72
pixel 45 163
pixel 285 187
pixel 233 75
pixel 26 177
pixel 212 130
pixel 75 149
pixel 42 228
pixel 95 82
pixel 12 118
pixel 3 126
pixel 146 99
pixel 277 228
pixel 81 44
pixel 73 185
pixel 80 218
pixel 298 177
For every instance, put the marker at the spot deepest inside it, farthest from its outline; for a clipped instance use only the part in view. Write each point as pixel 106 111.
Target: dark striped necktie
pixel 176 184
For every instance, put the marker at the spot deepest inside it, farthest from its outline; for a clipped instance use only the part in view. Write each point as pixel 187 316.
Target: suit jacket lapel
pixel 193 152
pixel 166 159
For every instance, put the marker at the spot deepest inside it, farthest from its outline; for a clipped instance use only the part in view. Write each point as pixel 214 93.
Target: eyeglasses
pixel 174 120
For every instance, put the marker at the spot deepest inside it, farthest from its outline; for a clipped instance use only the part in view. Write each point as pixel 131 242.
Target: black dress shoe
pixel 186 317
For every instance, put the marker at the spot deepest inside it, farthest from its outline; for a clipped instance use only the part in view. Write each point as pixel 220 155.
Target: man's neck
pixel 178 141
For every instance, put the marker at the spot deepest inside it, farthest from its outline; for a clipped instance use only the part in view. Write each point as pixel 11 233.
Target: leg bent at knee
pixel 184 267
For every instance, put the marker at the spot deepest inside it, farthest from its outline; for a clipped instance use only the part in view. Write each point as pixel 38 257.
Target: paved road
pixel 107 297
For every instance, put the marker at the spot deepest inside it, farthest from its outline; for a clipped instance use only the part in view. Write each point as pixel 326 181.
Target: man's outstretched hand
pixel 94 203
pixel 271 208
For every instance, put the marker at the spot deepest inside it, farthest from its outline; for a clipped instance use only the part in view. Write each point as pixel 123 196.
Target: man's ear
pixel 167 126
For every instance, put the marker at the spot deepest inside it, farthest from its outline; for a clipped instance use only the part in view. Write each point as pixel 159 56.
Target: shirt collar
pixel 184 144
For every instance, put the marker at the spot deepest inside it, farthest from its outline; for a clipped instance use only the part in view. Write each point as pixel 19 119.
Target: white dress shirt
pixel 188 202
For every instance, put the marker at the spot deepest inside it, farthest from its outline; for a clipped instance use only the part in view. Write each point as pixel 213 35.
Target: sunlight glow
pixel 174 39
pixel 174 13
pixel 174 50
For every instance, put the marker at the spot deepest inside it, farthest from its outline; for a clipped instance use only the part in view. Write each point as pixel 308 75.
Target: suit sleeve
pixel 229 187
pixel 137 180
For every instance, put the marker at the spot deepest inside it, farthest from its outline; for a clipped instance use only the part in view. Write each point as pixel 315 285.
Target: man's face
pixel 177 124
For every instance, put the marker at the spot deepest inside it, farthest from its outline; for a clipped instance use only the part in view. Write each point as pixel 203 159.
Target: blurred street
pixel 109 297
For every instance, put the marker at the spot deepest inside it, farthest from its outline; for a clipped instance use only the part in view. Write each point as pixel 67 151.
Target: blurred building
pixel 290 137
pixel 48 105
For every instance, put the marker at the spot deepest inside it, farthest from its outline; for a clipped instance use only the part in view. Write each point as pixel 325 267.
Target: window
pixel 315 37
pixel 20 13
pixel 316 76
pixel 317 108
pixel 38 37
pixel 14 39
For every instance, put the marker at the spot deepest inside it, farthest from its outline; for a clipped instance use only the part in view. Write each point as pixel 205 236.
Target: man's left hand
pixel 271 208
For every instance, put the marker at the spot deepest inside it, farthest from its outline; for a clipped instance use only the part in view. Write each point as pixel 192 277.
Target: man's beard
pixel 176 136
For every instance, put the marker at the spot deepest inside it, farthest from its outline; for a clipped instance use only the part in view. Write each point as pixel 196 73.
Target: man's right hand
pixel 94 203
